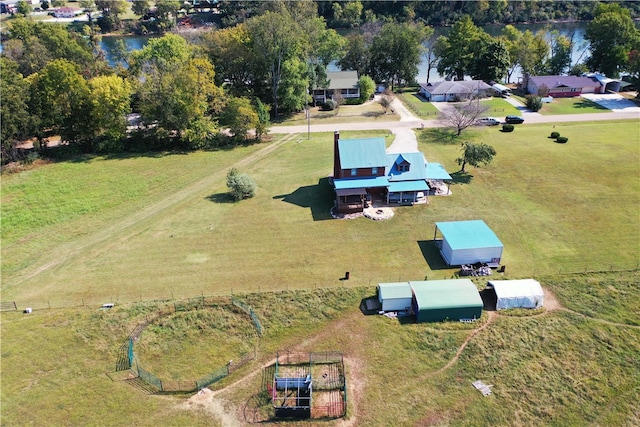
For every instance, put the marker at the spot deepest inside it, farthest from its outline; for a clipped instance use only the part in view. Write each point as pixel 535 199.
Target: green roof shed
pixel 438 300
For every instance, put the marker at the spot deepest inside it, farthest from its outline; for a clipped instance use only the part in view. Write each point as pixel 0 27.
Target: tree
pixel 240 117
pixel 240 185
pixel 491 60
pixel 167 13
pixel 16 123
pixel 532 53
pixel 140 7
pixel 276 38
pixel 612 34
pixel 262 126
pixel 44 5
pixel 59 98
pixel 534 102
pixel 229 49
pixel 110 102
pixel 511 37
pixel 367 88
pixel 357 56
pixel 464 115
pixel 396 52
pixel 24 8
pixel 457 50
pixel 163 53
pixel 561 47
pixel 386 99
pixel 475 154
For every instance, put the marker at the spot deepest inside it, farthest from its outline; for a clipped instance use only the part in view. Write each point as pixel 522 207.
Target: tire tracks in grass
pixel 133 224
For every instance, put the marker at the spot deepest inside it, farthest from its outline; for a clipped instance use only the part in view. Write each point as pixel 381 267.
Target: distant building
pixel 454 90
pixel 564 86
pixel 343 82
pixel 66 12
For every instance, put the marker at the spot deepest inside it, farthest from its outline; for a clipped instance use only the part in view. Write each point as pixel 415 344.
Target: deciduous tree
pixel 367 88
pixel 457 50
pixel 110 102
pixel 475 154
pixel 240 117
pixel 463 115
pixel 15 121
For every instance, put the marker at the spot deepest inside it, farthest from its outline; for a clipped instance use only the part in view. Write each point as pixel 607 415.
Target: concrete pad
pixel 612 101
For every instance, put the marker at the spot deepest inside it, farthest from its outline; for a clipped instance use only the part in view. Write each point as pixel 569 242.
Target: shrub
pixel 507 128
pixel 330 105
pixel 240 185
pixel 562 139
pixel 555 135
pixel 534 103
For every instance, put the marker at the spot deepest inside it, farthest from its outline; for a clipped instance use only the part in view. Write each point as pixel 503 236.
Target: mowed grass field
pixel 156 227
pixel 131 229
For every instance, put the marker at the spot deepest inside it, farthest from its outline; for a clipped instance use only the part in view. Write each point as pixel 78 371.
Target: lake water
pixel 108 43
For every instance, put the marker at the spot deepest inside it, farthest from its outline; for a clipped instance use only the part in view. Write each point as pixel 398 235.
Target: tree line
pixel 186 89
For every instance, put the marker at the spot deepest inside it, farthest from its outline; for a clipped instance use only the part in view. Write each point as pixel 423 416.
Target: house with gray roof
pixel 564 86
pixel 343 82
pixel 454 90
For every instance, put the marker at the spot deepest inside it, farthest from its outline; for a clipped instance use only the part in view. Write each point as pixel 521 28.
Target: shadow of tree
pixel 221 198
pixel 438 136
pixel 585 103
pixel 319 198
pixel 461 177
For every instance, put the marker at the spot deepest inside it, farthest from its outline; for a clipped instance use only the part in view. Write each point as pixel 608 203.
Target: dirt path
pixel 105 239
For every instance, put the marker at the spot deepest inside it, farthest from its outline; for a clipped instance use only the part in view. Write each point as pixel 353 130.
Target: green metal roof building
pixel 438 300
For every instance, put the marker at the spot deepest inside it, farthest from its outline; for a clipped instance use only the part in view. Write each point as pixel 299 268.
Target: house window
pixel 374 171
pixel 354 172
pixel 403 167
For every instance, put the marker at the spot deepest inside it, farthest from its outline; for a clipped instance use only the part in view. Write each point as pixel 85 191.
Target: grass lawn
pixel 418 106
pixel 369 111
pixel 551 368
pixel 577 105
pixel 160 227
pixel 499 108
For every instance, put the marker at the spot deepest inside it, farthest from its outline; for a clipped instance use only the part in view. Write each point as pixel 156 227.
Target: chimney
pixel 336 156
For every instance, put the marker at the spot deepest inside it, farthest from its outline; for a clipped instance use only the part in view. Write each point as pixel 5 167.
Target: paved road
pixel 408 121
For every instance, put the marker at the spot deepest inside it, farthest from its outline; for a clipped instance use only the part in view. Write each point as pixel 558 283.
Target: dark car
pixel 513 120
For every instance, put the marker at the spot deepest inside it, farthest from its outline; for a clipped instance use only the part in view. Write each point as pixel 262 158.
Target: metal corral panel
pixel 395 296
pixel 468 242
pixel 438 300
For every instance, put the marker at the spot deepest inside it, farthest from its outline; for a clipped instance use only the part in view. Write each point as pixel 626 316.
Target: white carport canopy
pixel 525 293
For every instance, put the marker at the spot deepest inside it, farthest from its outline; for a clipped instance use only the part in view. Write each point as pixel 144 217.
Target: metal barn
pixel 395 296
pixel 438 300
pixel 468 242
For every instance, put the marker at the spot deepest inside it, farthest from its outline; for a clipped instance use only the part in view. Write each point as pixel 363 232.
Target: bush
pixel 555 135
pixel 562 139
pixel 240 185
pixel 507 128
pixel 330 105
pixel 534 103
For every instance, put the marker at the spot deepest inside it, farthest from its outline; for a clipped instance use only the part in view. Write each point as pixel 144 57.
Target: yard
pixel 142 231
pixel 577 105
pixel 369 111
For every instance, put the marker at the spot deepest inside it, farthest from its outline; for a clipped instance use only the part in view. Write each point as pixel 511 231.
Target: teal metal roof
pixel 437 171
pixel 417 169
pixel 443 294
pixel 394 290
pixel 404 186
pixel 468 235
pixel 362 153
pixel 378 181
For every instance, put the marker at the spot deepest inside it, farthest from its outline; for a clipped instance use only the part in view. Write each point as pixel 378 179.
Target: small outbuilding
pixel 438 300
pixel 395 296
pixel 525 293
pixel 468 242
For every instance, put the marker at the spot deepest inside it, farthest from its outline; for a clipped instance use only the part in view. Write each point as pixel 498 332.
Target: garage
pixel 439 300
pixel 468 242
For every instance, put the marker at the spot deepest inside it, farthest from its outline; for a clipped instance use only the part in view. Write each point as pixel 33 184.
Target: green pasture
pixel 152 227
pixel 576 365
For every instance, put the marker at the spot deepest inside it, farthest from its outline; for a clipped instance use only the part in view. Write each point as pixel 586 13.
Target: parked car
pixel 488 121
pixel 513 120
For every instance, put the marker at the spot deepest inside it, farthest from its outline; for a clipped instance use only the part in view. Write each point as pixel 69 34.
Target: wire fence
pixel 357 279
pixel 126 358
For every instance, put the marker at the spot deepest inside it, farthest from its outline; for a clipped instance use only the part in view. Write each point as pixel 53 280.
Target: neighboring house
pixel 67 12
pixel 346 82
pixel 364 172
pixel 9 6
pixel 454 90
pixel 564 86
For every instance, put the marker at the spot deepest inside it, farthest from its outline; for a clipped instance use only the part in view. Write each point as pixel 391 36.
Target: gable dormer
pixel 402 164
